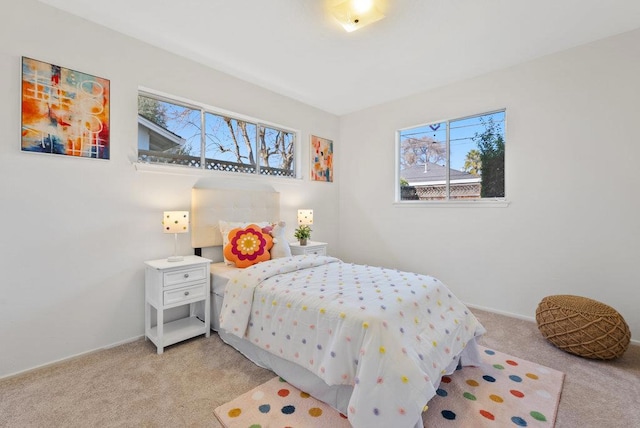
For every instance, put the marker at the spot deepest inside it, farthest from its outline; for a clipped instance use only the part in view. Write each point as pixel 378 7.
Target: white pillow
pixel 228 226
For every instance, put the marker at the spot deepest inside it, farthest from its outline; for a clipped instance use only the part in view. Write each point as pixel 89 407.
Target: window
pixel 171 132
pixel 460 159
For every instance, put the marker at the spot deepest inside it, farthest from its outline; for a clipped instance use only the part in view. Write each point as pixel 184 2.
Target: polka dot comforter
pixel 389 334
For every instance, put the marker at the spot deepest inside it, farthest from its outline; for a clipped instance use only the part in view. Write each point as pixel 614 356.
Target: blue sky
pixel 461 134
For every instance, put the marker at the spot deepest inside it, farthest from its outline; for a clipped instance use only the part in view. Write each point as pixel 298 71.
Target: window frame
pixel 203 108
pixel 499 202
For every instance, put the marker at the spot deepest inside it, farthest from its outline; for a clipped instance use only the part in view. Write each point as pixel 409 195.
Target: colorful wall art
pixel 321 159
pixel 64 112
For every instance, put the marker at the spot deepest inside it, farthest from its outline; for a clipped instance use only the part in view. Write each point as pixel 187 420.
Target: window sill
pixel 198 172
pixel 491 203
pixel 170 169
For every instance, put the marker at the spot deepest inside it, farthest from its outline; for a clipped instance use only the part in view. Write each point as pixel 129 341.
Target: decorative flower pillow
pixel 248 246
pixel 228 226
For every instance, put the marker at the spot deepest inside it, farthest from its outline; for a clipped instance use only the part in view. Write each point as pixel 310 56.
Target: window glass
pixel 230 144
pixel 276 152
pixel 460 159
pixel 176 133
pixel 168 133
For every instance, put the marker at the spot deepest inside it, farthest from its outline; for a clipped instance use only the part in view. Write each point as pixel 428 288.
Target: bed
pixel 371 342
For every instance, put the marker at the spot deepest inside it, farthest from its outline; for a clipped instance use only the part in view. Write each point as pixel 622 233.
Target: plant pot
pixel 303 241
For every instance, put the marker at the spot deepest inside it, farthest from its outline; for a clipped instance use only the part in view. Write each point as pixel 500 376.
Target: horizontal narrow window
pixel 170 132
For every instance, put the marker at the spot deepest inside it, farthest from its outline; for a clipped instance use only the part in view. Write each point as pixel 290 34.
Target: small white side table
pixel 312 247
pixel 172 284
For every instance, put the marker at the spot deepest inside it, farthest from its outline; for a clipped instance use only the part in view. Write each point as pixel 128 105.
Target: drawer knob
pixel 186 293
pixel 186 275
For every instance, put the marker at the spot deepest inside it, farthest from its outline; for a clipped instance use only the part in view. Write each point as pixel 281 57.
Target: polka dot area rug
pixel 505 391
pixel 277 404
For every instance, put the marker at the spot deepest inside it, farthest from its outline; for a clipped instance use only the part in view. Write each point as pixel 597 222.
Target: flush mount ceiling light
pixel 355 14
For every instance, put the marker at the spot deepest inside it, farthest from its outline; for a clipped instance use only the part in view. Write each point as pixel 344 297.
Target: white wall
pixel 572 178
pixel 76 231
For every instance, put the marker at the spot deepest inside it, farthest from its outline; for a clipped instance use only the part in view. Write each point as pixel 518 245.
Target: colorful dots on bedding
pixel 234 413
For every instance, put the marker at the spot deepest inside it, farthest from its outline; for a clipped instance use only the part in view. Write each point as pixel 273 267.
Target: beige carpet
pixel 131 385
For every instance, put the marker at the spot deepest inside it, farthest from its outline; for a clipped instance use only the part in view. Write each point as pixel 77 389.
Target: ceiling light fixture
pixel 355 14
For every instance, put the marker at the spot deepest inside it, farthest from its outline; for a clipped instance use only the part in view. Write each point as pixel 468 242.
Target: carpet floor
pixel 130 385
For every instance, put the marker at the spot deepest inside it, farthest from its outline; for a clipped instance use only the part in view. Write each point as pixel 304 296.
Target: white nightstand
pixel 312 247
pixel 172 284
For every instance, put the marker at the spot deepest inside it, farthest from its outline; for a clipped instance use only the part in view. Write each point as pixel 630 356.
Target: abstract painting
pixel 64 112
pixel 321 159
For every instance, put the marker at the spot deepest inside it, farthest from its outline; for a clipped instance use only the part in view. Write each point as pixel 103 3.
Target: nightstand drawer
pixel 317 251
pixel 185 275
pixel 312 247
pixel 184 294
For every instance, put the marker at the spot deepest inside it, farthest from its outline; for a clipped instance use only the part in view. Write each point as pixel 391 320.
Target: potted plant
pixel 302 233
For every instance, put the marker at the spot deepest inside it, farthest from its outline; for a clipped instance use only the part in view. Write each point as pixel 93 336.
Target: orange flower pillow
pixel 248 246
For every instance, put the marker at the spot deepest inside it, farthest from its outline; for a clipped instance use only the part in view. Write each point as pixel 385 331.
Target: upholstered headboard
pixel 229 203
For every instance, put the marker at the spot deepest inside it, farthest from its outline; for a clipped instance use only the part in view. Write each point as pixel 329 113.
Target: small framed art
pixel 64 112
pixel 321 159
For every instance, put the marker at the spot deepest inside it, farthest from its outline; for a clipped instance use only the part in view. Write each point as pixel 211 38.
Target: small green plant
pixel 302 232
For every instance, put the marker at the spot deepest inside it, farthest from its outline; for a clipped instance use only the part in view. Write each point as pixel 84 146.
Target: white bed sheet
pixel 220 274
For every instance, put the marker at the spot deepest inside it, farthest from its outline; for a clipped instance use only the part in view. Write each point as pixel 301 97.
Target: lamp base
pixel 175 258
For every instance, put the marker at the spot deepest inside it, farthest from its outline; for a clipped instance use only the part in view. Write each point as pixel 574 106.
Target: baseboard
pixel 518 316
pixel 72 357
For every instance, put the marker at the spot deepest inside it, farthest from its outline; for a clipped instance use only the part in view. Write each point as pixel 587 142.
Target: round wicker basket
pixel 583 326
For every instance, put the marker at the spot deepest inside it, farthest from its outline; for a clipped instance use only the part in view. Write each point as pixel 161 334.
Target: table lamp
pixel 175 222
pixel 305 217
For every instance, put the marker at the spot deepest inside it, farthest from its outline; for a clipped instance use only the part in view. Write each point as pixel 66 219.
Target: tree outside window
pixel 461 159
pixel 173 133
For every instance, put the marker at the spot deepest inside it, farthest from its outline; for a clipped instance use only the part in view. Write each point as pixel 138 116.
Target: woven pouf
pixel 583 327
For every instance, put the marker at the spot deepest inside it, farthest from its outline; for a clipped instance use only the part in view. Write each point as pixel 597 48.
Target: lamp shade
pixel 175 222
pixel 305 217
